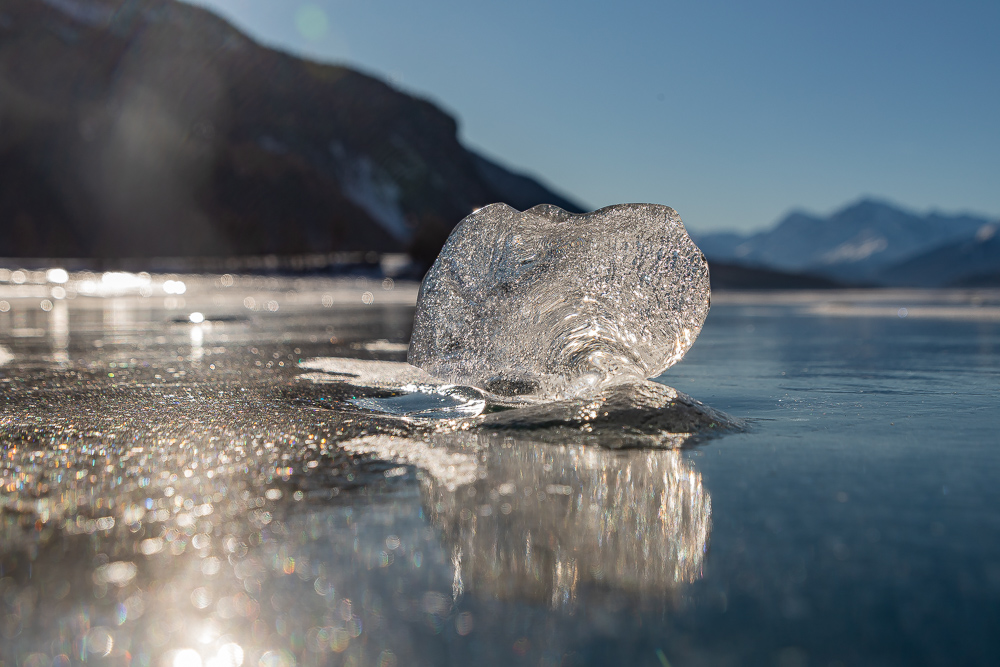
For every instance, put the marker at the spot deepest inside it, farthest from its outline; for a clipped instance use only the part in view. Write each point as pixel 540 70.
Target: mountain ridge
pixel 858 243
pixel 153 128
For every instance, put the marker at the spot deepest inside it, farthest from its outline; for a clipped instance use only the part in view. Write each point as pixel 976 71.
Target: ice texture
pixel 427 401
pixel 626 414
pixel 547 303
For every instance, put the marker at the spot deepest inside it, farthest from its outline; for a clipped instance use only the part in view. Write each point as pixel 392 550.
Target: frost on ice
pixel 547 303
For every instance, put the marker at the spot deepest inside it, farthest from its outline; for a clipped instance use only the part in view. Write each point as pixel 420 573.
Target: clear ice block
pixel 556 305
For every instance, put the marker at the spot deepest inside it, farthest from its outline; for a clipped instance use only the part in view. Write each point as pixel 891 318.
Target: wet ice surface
pixel 202 489
pixel 553 304
pixel 202 494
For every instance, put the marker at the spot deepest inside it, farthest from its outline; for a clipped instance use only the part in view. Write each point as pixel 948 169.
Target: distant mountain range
pixel 869 242
pixel 737 277
pixel 139 128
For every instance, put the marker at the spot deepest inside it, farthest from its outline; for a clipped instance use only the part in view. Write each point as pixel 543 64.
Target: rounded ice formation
pixel 553 304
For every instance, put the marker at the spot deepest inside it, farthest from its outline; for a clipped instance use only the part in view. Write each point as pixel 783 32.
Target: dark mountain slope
pixel 970 262
pixel 736 277
pixel 152 128
pixel 520 190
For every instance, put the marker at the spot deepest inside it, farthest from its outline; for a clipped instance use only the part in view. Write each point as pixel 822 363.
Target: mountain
pixel 970 262
pixel 854 244
pixel 735 277
pixel 138 128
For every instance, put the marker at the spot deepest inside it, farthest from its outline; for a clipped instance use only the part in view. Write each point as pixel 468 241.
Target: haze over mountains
pixel 870 242
pixel 139 128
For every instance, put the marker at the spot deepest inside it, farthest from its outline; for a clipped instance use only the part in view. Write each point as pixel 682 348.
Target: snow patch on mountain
pixel 855 251
pixel 373 190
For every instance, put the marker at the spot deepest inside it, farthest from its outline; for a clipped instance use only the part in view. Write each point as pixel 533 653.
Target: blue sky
pixel 731 112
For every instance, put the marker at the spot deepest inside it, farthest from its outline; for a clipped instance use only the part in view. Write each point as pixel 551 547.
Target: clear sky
pixel 732 112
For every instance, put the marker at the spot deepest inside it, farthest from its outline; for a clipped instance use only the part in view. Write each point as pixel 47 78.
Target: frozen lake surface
pixel 178 490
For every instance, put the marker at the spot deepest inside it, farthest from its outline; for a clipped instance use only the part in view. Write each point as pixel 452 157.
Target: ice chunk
pixel 553 304
pixel 364 372
pixel 402 377
pixel 428 401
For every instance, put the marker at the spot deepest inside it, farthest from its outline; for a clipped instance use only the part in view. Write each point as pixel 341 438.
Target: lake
pixel 181 487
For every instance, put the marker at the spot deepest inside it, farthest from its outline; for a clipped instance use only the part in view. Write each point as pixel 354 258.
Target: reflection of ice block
pixel 549 303
pixel 543 521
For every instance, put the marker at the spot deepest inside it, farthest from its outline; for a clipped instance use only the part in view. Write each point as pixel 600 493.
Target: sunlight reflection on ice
pixel 177 506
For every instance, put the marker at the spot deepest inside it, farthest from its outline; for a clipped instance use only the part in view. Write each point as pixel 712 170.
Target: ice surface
pixel 556 305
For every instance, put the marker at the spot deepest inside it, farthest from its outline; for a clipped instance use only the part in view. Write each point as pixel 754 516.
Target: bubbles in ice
pixel 553 304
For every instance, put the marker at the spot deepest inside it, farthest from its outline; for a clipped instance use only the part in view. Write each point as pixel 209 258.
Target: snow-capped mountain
pixel 855 244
